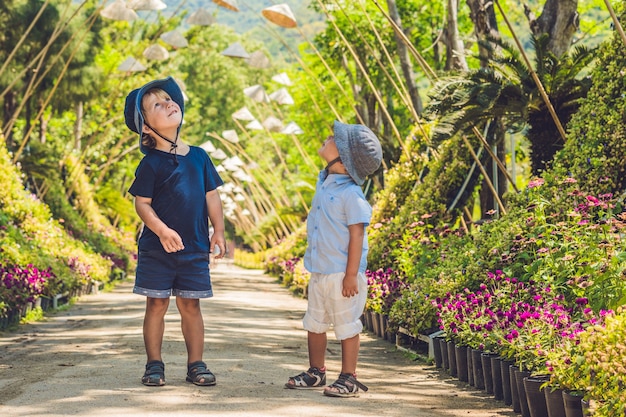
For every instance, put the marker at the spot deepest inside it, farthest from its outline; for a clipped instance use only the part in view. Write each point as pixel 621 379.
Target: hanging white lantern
pixel 228 4
pixel 281 15
pixel 146 5
pixel 254 125
pixel 292 129
pixel 201 17
pixel 118 10
pixel 219 154
pixel 243 114
pixel 130 64
pixel 156 52
pixel 175 38
pixel 230 135
pixel 273 124
pixel 242 176
pixel 282 96
pixel 208 146
pixel 236 50
pixel 226 163
pixel 257 93
pixel 258 59
pixel 237 161
pixel 283 79
pixel 228 187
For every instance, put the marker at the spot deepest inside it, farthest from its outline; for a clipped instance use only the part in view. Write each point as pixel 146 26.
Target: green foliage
pixel 506 90
pixel 30 235
pixel 596 142
pixel 599 364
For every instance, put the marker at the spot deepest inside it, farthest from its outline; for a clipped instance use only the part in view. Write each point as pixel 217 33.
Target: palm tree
pixel 506 90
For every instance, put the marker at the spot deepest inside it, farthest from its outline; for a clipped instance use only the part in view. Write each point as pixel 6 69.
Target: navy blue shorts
pixel 183 274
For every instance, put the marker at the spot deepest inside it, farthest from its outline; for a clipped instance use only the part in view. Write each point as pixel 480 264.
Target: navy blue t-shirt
pixel 178 194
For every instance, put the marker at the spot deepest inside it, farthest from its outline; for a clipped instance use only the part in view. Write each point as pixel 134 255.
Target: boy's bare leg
pixel 192 326
pixel 154 326
pixel 349 357
pixel 317 349
pixel 350 354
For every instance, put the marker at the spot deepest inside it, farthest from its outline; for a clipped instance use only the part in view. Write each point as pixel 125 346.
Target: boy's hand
pixel 218 240
pixel 350 286
pixel 171 241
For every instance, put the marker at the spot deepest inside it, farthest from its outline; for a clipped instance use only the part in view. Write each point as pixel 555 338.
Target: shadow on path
pixel 88 361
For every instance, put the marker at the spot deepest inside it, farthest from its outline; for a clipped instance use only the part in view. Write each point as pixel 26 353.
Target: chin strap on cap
pixel 333 162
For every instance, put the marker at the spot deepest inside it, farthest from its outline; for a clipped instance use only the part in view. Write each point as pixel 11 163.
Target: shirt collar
pixel 337 178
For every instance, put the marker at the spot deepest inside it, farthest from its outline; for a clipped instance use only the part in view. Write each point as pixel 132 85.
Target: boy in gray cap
pixel 175 190
pixel 336 256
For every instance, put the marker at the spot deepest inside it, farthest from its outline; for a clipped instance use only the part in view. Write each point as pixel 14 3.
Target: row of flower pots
pixel 378 324
pixel 13 316
pixel 526 394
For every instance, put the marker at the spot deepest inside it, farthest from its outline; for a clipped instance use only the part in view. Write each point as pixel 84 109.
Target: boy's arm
pixel 355 249
pixel 216 215
pixel 170 239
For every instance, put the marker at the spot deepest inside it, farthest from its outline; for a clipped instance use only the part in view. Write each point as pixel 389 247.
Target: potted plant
pixel 599 364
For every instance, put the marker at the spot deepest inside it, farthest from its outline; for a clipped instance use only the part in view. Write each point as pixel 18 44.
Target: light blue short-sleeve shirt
pixel 338 203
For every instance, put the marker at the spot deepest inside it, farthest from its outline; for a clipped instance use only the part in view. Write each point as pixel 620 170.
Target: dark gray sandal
pixel 154 376
pixel 199 374
pixel 313 378
pixel 346 386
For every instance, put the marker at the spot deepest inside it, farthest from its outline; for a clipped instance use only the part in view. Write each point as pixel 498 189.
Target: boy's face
pixel 160 112
pixel 329 151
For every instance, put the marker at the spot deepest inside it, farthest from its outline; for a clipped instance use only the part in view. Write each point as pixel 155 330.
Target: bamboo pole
pixel 357 60
pixel 616 22
pixel 282 160
pixel 262 190
pixel 306 68
pixel 55 86
pixel 428 71
pixel 432 76
pixel 296 141
pixel 38 75
pixel 485 175
pixel 404 93
pixel 22 39
pixel 534 75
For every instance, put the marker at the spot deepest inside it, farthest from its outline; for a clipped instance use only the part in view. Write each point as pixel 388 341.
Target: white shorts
pixel 328 307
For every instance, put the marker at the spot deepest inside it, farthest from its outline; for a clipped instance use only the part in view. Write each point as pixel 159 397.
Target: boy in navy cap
pixel 336 256
pixel 175 190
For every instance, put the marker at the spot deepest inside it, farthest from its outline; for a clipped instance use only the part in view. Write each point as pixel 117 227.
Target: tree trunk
pixel 405 62
pixel 78 126
pixel 455 51
pixel 9 106
pixel 559 20
pixel 495 136
pixel 483 16
pixel 43 127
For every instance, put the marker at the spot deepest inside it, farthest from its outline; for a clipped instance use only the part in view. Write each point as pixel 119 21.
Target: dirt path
pixel 87 361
